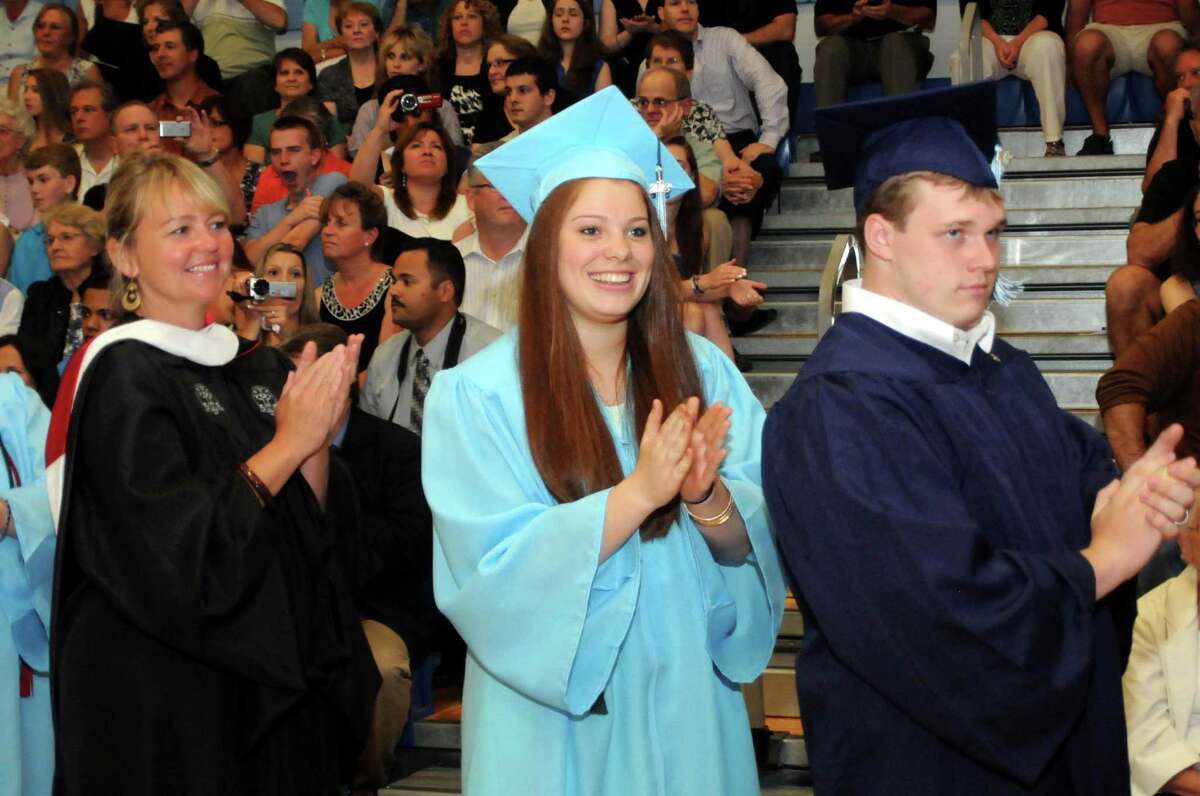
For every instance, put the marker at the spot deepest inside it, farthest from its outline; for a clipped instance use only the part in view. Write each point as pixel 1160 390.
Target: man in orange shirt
pixel 1123 36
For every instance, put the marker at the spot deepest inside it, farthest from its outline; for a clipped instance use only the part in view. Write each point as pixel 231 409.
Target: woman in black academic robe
pixel 203 638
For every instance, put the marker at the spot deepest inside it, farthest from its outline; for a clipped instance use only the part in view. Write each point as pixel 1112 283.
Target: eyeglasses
pixel 657 102
pixel 671 60
pixel 217 122
pixel 499 62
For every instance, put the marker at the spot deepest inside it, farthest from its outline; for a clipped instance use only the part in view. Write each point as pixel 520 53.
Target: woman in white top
pixel 56 37
pixel 423 200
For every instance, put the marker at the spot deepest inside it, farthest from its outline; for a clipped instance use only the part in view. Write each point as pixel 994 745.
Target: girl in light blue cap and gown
pixel 608 621
pixel 27 544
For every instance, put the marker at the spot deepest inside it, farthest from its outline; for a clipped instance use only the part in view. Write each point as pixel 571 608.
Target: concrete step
pixel 1017 247
pixel 1074 390
pixel 1026 315
pixel 1086 192
pixel 1028 142
pixel 1020 167
pixel 1042 278
pixel 1052 218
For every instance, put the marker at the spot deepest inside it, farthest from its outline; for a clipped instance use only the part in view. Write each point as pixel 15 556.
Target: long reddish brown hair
pixel 571 443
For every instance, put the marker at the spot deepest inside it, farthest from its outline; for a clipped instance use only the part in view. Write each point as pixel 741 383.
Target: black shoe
pixel 1096 145
pixel 816 157
pixel 757 320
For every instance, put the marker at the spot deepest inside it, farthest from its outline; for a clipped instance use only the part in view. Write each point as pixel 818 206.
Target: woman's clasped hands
pixel 314 398
pixel 680 456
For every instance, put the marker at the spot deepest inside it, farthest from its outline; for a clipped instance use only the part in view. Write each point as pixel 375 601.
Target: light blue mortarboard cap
pixel 601 136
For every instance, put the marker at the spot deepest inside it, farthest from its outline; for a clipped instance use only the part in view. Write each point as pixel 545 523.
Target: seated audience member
pixel 27 358
pixel 282 318
pixel 48 100
pixel 1133 293
pixel 1026 40
pixel 16 34
pixel 229 130
pixel 53 174
pixel 379 497
pixel 348 83
pixel 406 51
pixel 319 31
pixel 529 94
pixel 151 14
pixel 461 74
pixel 1181 286
pixel 27 533
pixel 727 70
pixel 270 187
pixel 570 42
pixel 91 109
pixel 425 298
pixel 1123 36
pixel 492 254
pixel 16 131
pixel 526 20
pixel 769 25
pixel 354 296
pixel 862 42
pixel 239 36
pixel 502 52
pixel 1175 136
pixel 625 30
pixel 56 37
pixel 424 200
pixel 176 49
pixel 1160 683
pixel 112 36
pixel 135 129
pixel 688 240
pixel 295 77
pixel 406 83
pixel 54 307
pixel 97 310
pixel 12 303
pixel 295 219
pixel 664 99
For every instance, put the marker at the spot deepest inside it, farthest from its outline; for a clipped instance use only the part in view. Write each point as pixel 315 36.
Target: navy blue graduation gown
pixel 930 514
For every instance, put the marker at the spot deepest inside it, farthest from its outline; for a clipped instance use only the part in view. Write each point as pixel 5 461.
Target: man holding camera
pixel 867 40
pixel 174 52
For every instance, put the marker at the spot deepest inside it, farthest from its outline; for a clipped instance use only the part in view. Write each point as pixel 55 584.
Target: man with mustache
pixel 426 293
pixel 297 147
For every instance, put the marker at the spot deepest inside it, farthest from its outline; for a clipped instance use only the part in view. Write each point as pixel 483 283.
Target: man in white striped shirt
pixel 492 255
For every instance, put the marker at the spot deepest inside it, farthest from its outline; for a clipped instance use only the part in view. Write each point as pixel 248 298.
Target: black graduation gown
pixel 201 644
pixel 930 515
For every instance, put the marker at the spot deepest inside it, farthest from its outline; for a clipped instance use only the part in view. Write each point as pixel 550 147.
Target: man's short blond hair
pixel 897 196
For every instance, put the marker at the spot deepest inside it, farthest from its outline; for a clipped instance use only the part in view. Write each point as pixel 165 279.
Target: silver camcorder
pixel 260 289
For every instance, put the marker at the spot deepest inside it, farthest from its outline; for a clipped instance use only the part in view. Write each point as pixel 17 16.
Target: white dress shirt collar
pixel 920 326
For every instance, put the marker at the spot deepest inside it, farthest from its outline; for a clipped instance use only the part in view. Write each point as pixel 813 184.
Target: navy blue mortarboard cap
pixel 949 131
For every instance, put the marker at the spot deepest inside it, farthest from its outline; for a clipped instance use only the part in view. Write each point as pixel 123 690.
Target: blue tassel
pixel 1007 289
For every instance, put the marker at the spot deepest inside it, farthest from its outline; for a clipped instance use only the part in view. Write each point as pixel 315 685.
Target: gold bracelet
pixel 720 518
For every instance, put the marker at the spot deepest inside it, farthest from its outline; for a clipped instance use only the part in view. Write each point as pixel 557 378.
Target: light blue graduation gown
pixel 661 629
pixel 26 581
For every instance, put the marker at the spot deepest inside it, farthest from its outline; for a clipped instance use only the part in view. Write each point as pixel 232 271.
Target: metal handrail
pixel 832 276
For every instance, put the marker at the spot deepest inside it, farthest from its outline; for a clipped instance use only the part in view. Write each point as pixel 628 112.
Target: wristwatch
pixel 696 288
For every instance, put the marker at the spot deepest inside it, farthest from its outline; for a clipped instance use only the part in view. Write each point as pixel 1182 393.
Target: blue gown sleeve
pixel 515 571
pixel 27 560
pixel 744 600
pixel 906 587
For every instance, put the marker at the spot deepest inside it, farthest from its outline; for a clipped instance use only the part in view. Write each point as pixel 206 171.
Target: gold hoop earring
pixel 131 299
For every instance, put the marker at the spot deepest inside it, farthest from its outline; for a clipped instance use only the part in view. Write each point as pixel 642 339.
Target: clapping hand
pixel 665 456
pixel 315 396
pixel 707 448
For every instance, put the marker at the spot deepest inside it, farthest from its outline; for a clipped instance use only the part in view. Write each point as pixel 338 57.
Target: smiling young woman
pixel 614 537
